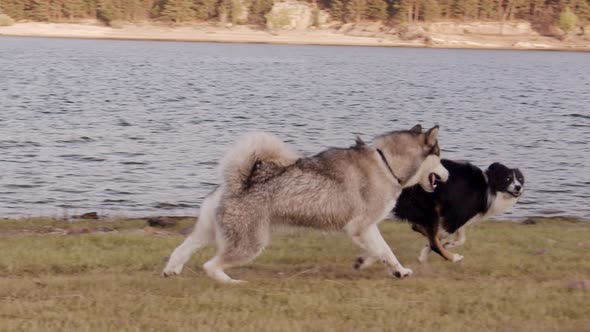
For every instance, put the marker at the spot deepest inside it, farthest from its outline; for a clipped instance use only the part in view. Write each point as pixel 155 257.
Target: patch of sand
pixel 245 34
pixel 202 33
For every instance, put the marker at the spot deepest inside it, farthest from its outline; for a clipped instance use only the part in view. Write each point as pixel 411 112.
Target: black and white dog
pixel 469 195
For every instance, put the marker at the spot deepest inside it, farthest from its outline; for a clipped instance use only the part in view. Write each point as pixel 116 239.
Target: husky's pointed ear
pixel 432 136
pixel 359 142
pixel 416 129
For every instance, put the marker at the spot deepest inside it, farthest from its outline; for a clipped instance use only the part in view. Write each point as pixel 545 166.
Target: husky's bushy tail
pixel 240 160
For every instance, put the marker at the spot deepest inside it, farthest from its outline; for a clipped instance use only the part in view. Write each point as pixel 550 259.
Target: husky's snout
pixel 439 175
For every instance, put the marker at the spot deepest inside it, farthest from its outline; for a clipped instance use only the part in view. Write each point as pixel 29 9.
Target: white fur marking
pixel 503 202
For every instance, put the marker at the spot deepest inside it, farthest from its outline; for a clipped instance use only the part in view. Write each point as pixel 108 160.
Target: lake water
pixel 136 128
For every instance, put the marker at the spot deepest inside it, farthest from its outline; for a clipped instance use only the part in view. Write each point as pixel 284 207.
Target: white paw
pixel 457 258
pixel 169 271
pixel 235 282
pixel 402 272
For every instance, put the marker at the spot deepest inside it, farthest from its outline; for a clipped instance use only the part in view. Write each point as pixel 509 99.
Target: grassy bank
pixel 514 277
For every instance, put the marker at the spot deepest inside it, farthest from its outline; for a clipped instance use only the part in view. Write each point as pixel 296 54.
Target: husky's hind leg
pixel 215 267
pixel 242 234
pixel 202 235
pixel 230 255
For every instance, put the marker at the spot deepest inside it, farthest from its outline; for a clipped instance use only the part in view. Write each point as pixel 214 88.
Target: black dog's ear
pixel 416 129
pixel 494 166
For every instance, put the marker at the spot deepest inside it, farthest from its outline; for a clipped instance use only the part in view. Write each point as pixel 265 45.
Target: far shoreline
pixel 171 40
pixel 209 33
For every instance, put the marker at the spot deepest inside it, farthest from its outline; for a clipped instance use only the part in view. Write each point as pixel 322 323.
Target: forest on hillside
pixel 541 13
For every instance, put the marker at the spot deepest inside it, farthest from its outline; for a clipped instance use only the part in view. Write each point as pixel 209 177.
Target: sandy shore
pixel 244 34
pixel 197 33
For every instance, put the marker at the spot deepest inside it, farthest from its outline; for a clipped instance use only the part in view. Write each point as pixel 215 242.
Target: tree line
pixel 542 13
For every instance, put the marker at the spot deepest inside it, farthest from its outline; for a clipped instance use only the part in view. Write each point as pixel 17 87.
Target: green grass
pixel 513 278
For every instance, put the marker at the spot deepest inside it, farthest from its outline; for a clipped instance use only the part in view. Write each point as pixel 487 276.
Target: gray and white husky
pixel 350 189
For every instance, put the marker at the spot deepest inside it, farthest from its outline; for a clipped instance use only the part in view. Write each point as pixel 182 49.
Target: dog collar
pixel 388 167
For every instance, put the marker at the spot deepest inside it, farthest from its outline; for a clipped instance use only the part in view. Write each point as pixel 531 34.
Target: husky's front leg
pixel 364 261
pixel 371 240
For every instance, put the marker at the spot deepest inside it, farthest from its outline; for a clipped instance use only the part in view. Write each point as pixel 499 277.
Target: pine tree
pixel 56 9
pixel 486 9
pixel 338 10
pixel 431 10
pixel 178 10
pixel 13 8
pixel 74 9
pixel 541 13
pixel 236 12
pixel 567 20
pixel 446 8
pixel 520 10
pixel 224 10
pixel 356 9
pixel 108 11
pixel 376 10
pixel 406 10
pixel 40 10
pixel 258 10
pixel 582 10
pixel 466 9
pixel 132 10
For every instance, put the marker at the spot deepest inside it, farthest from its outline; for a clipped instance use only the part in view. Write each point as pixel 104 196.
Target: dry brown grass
pixel 514 278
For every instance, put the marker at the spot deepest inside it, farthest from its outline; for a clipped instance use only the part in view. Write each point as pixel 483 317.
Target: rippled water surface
pixel 135 128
